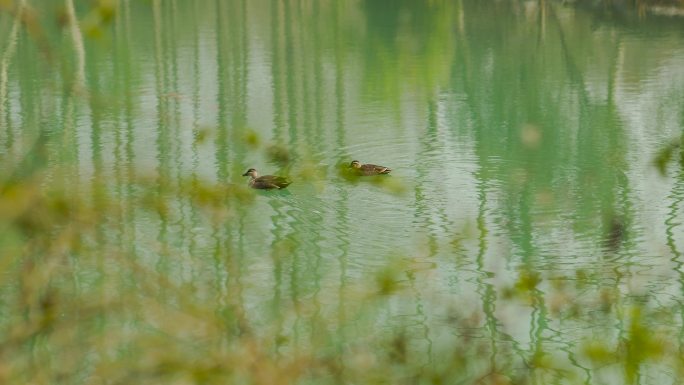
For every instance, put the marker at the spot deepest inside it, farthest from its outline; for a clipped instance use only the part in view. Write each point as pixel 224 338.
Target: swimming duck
pixel 266 181
pixel 368 169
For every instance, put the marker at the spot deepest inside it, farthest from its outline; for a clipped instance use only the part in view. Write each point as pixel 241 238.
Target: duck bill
pixel 245 174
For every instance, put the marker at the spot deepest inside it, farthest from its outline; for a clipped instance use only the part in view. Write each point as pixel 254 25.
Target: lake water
pixel 523 236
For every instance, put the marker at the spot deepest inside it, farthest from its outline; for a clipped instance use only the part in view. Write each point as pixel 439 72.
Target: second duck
pixel 368 169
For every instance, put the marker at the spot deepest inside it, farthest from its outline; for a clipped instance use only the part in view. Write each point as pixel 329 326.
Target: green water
pixel 523 236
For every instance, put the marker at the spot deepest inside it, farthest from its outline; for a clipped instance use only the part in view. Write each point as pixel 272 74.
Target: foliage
pixel 668 155
pixel 87 298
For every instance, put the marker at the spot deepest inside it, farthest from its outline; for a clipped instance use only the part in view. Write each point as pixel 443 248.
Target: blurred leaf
pixel 389 184
pixel 665 155
pixel 251 138
pixel 278 154
pixel 201 135
pixel 398 349
pixel 598 352
pixel 387 280
pixel 106 10
pixel 527 280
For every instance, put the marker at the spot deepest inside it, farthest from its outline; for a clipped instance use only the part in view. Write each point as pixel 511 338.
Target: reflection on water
pixel 523 222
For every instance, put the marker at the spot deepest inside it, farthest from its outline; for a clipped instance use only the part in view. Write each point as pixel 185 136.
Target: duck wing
pixel 372 169
pixel 272 181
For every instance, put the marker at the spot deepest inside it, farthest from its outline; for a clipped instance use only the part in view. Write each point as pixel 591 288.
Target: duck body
pixel 368 169
pixel 266 182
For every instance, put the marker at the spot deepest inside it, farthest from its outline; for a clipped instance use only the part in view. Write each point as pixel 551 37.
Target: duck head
pixel 355 164
pixel 251 172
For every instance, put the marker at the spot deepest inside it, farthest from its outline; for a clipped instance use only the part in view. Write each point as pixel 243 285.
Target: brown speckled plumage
pixel 266 182
pixel 368 169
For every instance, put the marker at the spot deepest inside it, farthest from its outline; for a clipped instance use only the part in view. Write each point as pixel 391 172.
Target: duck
pixel 266 182
pixel 368 169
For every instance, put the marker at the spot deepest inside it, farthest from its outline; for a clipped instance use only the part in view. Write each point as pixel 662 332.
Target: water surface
pixel 523 216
